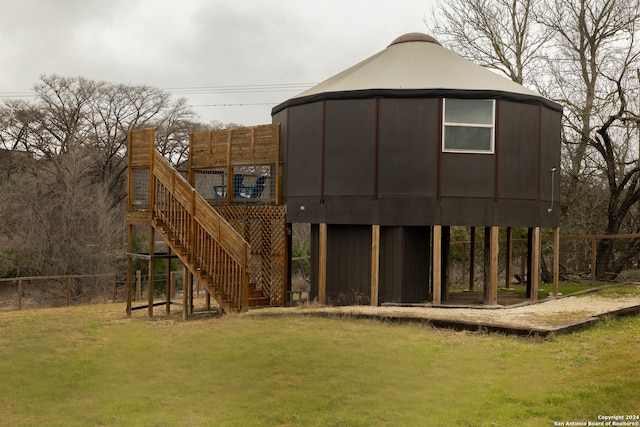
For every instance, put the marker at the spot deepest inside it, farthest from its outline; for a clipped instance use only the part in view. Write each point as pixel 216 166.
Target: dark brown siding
pixel 408 147
pixel 379 161
pixel 517 140
pixel 467 175
pixel 550 122
pixel 350 148
pixel 304 153
pixel 348 264
pixel 404 264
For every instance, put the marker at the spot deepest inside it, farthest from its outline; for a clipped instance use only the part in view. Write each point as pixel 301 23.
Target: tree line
pixel 63 171
pixel 583 54
pixel 63 154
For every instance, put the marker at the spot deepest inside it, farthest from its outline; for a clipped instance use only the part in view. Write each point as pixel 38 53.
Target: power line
pixel 202 90
pixel 275 87
pixel 234 104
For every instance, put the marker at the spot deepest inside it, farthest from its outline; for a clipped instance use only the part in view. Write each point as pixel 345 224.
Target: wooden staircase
pixel 207 245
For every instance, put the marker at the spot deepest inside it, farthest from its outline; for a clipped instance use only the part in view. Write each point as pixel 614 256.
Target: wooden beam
pixel 508 260
pixel 129 268
pixel 437 264
pixel 556 260
pixel 186 278
pixel 167 287
pixel 486 271
pixel 529 261
pixel 472 258
pixel 445 254
pixel 138 285
pixel 150 287
pixel 493 266
pixel 322 265
pixel 375 263
pixel 535 264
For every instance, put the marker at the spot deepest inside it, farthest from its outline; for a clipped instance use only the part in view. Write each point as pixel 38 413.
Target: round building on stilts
pixel 385 157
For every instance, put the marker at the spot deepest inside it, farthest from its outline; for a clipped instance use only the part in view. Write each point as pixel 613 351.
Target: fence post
pixel 115 288
pixel 593 258
pixel 19 294
pixel 556 260
pixel 68 291
pixel 138 285
pixel 472 257
pixel 508 261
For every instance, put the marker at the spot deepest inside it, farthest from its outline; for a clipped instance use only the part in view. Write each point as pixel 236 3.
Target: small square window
pixel 468 125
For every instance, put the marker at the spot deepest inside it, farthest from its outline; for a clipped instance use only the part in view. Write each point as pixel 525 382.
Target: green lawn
pixel 93 366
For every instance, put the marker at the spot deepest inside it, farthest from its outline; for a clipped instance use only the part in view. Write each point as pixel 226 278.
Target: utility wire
pixel 201 90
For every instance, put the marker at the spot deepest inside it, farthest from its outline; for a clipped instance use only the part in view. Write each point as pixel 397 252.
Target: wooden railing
pixel 203 240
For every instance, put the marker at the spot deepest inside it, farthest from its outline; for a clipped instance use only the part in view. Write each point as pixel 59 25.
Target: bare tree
pixel 62 211
pixel 499 34
pixel 592 73
pixel 583 54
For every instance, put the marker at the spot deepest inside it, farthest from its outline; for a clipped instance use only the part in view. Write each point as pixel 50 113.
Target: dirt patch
pixel 548 314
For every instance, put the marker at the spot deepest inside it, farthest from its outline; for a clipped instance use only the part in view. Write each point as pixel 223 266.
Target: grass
pixel 93 366
pixel 564 288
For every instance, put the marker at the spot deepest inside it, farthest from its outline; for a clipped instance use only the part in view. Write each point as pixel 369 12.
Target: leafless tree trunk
pixel 62 210
pixel 590 60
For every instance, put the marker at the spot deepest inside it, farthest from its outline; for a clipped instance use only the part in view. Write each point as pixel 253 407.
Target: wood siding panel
pixel 408 147
pixel 304 151
pixel 348 263
pixel 517 146
pixel 350 147
pixel 467 175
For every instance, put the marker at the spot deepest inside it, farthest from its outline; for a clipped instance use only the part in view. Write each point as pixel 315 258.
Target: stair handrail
pixel 199 229
pixel 165 172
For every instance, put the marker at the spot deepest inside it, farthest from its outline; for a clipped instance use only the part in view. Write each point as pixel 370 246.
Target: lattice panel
pixel 264 228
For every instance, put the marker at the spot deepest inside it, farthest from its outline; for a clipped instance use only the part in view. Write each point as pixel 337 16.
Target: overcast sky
pixel 264 50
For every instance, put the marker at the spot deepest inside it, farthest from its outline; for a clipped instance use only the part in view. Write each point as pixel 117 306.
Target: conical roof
pixel 416 65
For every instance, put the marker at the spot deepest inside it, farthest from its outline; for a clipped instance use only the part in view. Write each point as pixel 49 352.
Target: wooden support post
pixel 186 278
pixel 486 288
pixel 523 264
pixel 464 259
pixel 445 254
pixel 437 264
pixel 191 285
pixel 556 260
pixel 173 284
pixel 375 263
pixel 138 285
pixel 129 285
pixel 19 294
pixel 529 261
pixel 493 266
pixel 322 265
pixel 150 287
pixel 535 264
pixel 507 270
pixel 472 258
pixel 167 285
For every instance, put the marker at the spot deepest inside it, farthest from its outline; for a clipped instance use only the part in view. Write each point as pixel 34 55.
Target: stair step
pixel 259 302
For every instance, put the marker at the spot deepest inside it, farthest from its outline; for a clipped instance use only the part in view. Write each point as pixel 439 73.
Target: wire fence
pixel 59 291
pixel 578 256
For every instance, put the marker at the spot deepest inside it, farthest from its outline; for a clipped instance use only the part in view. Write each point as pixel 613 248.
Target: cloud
pixel 198 43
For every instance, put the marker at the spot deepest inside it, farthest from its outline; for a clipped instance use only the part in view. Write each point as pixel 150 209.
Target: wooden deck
pixel 240 265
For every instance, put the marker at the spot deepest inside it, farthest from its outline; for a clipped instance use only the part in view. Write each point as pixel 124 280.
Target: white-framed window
pixel 468 125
